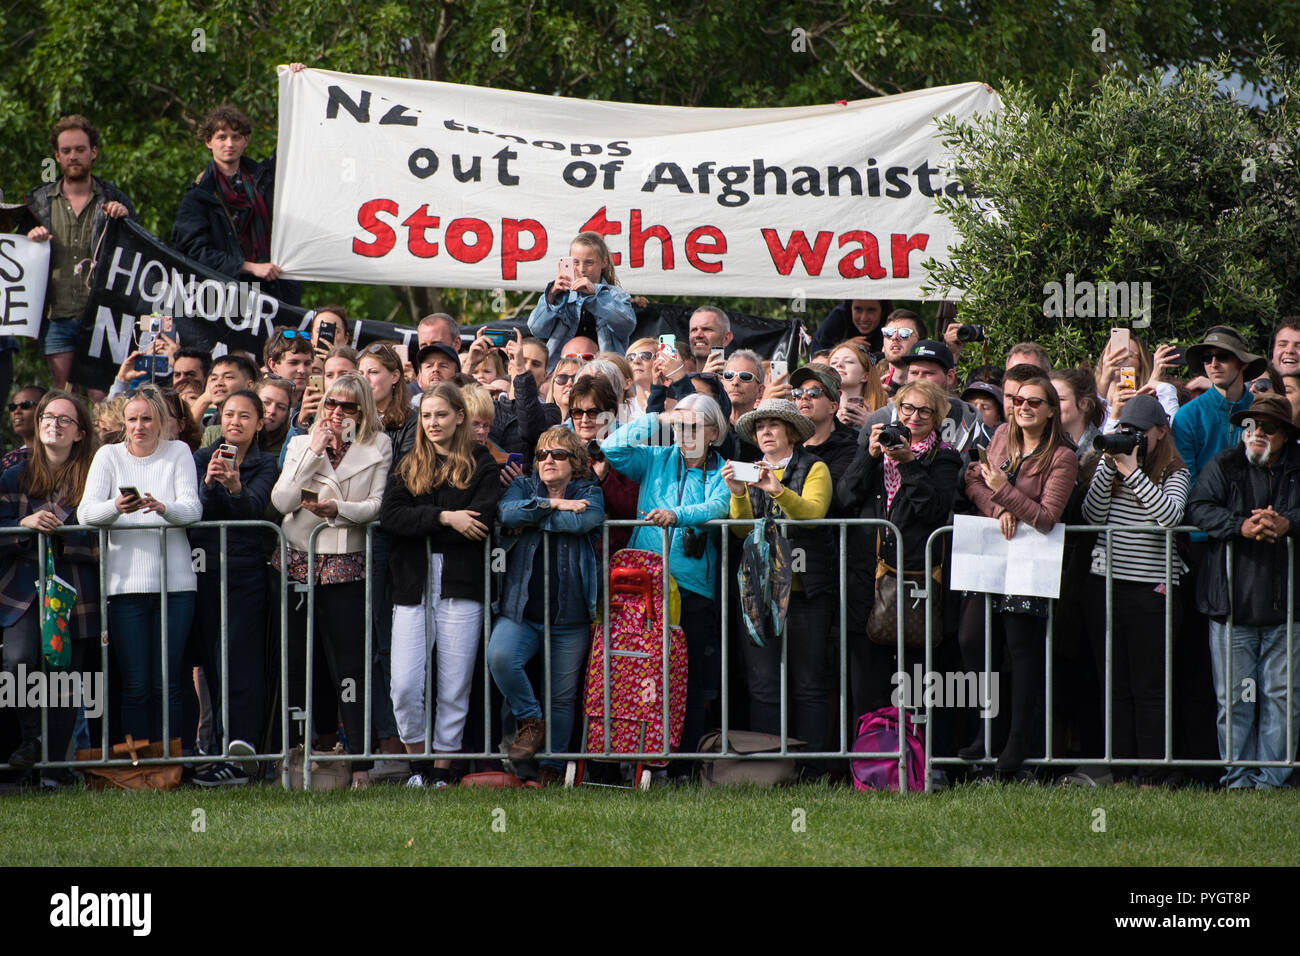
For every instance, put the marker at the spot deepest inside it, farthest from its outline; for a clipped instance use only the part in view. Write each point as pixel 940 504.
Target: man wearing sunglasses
pixel 903 329
pixel 1249 495
pixel 1203 426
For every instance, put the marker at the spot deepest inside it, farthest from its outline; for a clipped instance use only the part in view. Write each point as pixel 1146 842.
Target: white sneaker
pixel 390 769
pixel 416 780
pixel 240 750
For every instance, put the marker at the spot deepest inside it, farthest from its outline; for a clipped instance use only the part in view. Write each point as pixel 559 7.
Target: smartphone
pixel 857 400
pixel 310 494
pixel 152 364
pixel 168 325
pixel 151 324
pixel 403 352
pixel 1128 377
pixel 667 346
pixel 779 367
pixel 983 455
pixel 1119 340
pixel 717 353
pixel 567 268
pixel 129 491
pixel 498 337
pixel 515 458
pixel 227 451
pixel 317 382
pixel 746 470
pixel 1179 357
pixel 325 335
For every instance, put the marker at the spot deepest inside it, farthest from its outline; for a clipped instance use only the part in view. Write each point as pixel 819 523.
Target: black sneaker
pixel 222 775
pixel 26 755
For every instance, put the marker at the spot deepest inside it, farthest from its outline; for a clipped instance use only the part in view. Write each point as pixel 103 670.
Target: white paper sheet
pixel 983 560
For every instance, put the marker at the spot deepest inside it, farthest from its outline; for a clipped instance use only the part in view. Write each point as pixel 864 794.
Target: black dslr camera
pixel 1122 441
pixel 970 333
pixel 891 436
pixel 593 451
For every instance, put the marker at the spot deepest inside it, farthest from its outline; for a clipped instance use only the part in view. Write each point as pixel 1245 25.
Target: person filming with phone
pixel 584 299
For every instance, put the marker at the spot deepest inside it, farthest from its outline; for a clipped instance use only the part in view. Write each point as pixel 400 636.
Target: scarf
pixel 254 227
pixel 893 480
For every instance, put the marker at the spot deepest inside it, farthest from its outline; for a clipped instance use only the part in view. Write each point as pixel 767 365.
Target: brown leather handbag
pixel 882 623
pixel 136 777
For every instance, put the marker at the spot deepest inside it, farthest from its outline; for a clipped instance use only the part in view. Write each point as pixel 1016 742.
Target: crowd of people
pixel 387 473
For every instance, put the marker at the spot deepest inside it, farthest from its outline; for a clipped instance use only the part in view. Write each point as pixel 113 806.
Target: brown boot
pixel 549 776
pixel 530 736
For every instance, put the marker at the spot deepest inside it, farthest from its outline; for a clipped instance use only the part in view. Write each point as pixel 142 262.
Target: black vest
pixel 820 572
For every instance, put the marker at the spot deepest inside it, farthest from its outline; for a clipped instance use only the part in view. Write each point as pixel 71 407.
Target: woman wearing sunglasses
pixel 558 497
pixel 641 356
pixel 334 476
pixel 1029 478
pixel 561 383
pixel 22 418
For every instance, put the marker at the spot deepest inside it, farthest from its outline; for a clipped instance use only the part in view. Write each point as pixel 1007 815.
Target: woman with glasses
pixel 908 476
pixel 860 390
pixel 1029 478
pixel 561 382
pixel 641 356
pixel 592 409
pixel 137 488
pixel 334 476
pixel 558 497
pixel 42 494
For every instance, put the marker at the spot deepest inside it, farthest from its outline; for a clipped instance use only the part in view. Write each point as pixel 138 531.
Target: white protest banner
pixel 983 560
pixel 24 270
pixel 435 184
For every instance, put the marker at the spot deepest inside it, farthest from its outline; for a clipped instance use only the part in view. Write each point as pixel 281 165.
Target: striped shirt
pixel 1135 555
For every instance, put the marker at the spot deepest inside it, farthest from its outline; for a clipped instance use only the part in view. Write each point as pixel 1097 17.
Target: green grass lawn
pixel 388 825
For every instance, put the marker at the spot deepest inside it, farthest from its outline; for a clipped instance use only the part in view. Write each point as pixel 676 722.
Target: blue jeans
pixel 1259 721
pixel 135 627
pixel 512 645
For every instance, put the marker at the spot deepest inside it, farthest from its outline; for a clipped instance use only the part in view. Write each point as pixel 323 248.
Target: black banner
pixel 136 274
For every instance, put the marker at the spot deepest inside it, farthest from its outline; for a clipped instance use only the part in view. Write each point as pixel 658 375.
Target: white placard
pixel 983 560
pixel 24 271
pixel 408 182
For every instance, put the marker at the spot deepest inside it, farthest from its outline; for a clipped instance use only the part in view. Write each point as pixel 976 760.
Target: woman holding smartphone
pixel 1027 476
pixel 439 508
pixel 235 480
pixel 139 488
pixel 860 389
pixel 41 493
pixel 335 476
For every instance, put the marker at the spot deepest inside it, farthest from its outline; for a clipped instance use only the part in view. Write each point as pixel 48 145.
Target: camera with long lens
pixel 593 450
pixel 1122 441
pixel 970 333
pixel 891 436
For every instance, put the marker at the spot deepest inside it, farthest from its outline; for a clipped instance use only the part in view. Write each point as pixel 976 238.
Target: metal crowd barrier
pixel 924 714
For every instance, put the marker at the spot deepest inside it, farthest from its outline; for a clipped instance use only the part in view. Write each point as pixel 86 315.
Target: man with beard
pixel 1249 496
pixel 70 213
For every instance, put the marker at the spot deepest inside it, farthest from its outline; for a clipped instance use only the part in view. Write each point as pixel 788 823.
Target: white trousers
pixel 456 626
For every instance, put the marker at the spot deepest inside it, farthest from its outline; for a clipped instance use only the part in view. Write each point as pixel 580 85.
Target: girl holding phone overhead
pixel 584 299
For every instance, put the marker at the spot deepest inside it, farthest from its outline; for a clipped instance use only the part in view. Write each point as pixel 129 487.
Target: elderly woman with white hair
pixel 681 488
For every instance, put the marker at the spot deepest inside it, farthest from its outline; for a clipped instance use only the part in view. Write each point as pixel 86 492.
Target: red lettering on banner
pixel 462 251
pixel 598 223
pixel 417 222
pixel 637 238
pixel 901 244
pixel 696 245
pixel 385 237
pixel 511 254
pixel 783 256
pixel 864 261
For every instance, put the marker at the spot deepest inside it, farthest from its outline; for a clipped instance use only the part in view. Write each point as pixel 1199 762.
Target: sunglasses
pixel 585 356
pixel 295 334
pixel 811 391
pixel 559 454
pixel 585 413
pixel 25 406
pixel 350 408
pixel 1261 385
pixel 903 334
pixel 1267 428
pixel 731 376
pixel 1219 357
pixel 641 356
pixel 564 378
pixel 1034 403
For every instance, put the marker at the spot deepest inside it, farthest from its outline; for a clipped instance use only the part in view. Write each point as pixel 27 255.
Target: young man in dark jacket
pixel 1247 499
pixel 224 220
pixel 70 213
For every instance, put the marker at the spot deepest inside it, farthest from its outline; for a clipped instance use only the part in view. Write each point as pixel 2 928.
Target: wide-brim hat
pixel 1227 340
pixel 780 409
pixel 1269 405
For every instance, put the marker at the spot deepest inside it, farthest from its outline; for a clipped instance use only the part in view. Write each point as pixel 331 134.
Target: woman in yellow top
pixel 796 484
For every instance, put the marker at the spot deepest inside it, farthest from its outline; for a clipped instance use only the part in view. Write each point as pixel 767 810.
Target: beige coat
pixel 357 487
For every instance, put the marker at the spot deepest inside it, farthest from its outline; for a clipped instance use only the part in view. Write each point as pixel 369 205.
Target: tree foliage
pixel 1170 180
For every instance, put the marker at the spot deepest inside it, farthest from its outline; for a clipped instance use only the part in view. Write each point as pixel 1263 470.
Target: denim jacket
pixel 523 516
pixel 611 308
